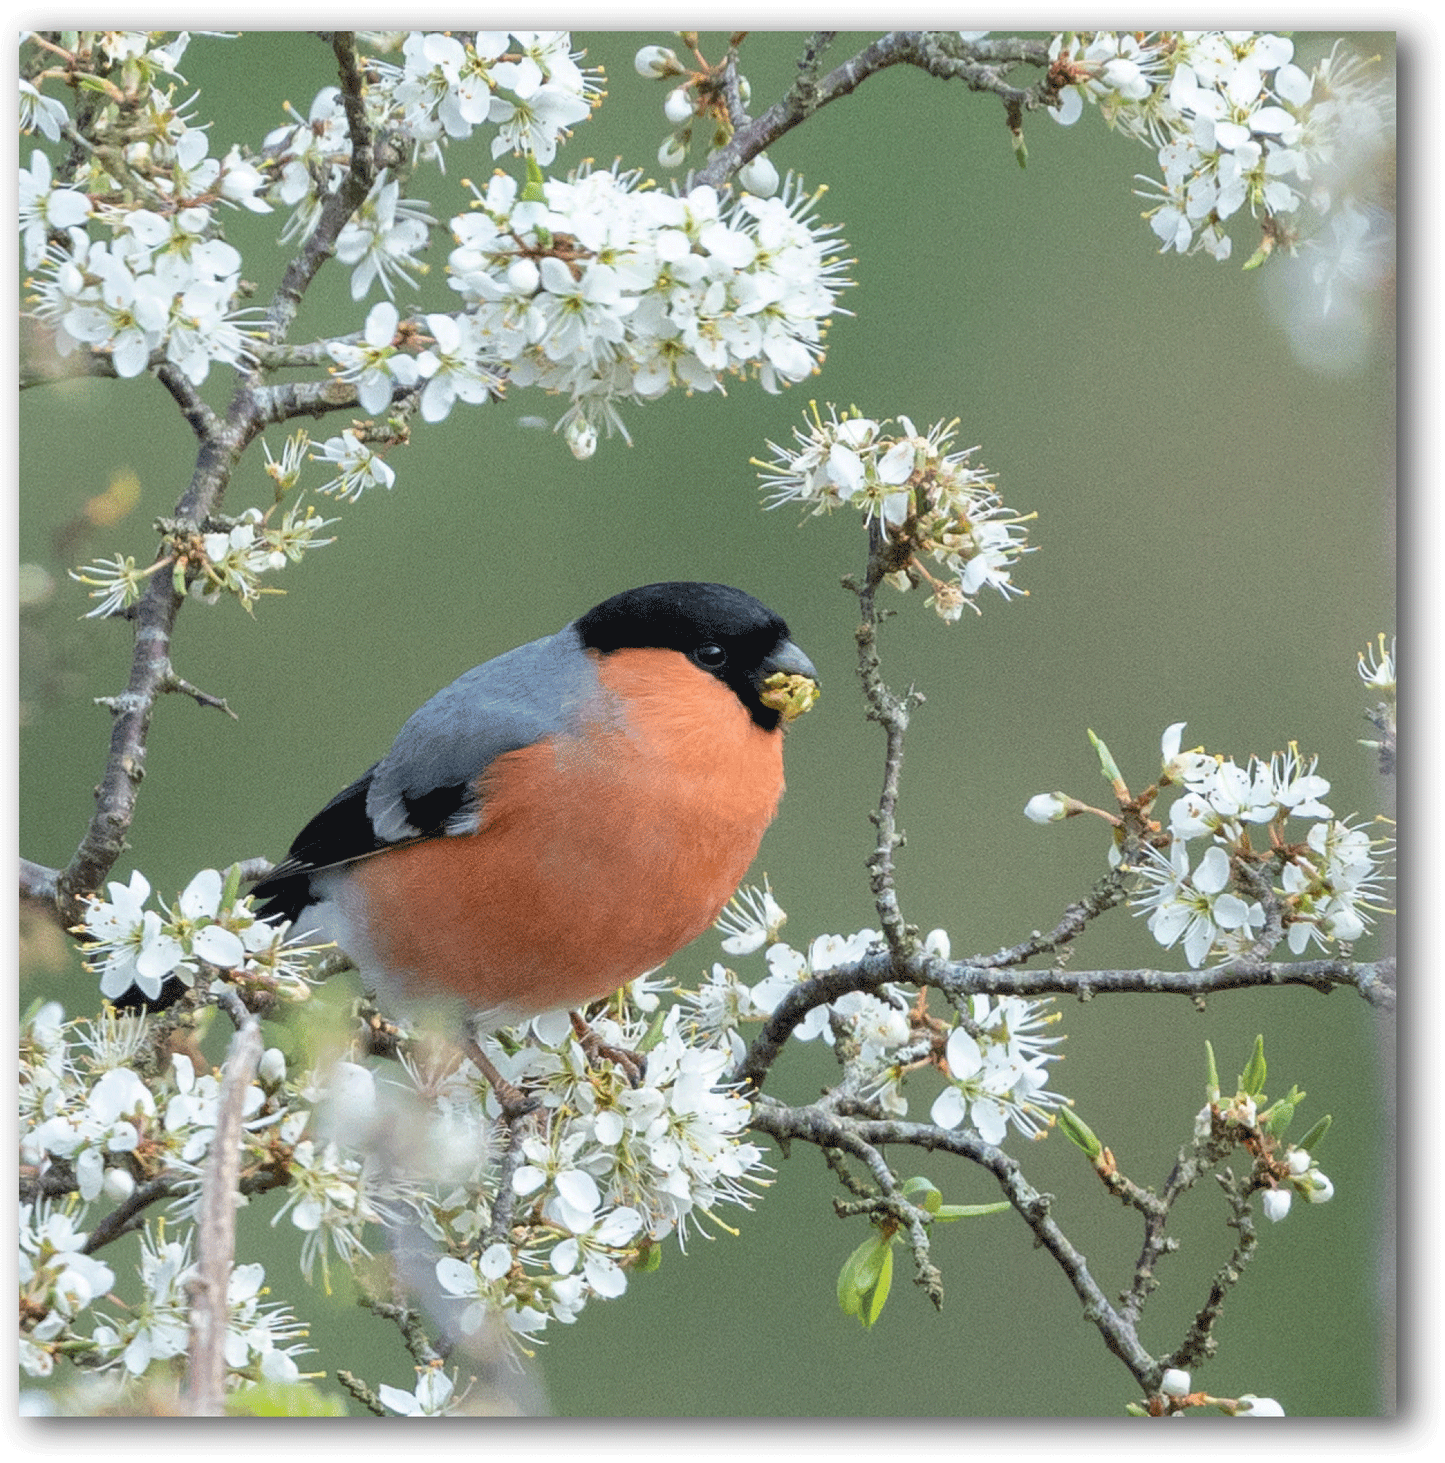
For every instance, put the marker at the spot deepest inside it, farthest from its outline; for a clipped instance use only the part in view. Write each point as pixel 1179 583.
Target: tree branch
pixel 980 66
pixel 1374 980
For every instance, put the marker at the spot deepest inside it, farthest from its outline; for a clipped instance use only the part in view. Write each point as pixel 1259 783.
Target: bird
pixel 562 818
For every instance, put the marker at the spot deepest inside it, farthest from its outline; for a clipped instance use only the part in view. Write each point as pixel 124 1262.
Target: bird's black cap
pixel 722 630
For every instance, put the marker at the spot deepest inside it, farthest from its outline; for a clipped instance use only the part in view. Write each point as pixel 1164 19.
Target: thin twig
pixel 505 1203
pixel 891 713
pixel 1199 1342
pixel 361 1392
pixel 183 687
pixel 216 1230
pixel 129 1214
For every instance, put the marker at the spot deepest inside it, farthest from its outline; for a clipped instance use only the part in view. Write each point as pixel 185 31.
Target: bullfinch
pixel 562 818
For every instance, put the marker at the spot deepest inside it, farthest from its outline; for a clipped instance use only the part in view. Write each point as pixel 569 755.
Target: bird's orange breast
pixel 599 854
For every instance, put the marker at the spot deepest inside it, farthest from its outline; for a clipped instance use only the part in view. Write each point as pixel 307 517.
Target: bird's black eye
pixel 710 657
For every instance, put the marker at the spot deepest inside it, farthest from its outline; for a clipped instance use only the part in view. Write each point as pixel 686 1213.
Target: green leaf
pixel 865 1273
pixel 1259 255
pixel 1251 1080
pixel 532 191
pixel 851 1278
pixel 1211 1074
pixel 1311 1140
pixel 1281 1115
pixel 949 1212
pixel 921 1191
pixel 1079 1133
pixel 881 1288
pixel 1107 765
pixel 653 1034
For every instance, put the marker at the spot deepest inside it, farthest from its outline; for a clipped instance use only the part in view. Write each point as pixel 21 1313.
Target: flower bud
pixel 581 438
pixel 118 1184
pixel 1175 1382
pixel 672 153
pixel 1107 765
pixel 678 106
pixel 1079 1133
pixel 1047 807
pixel 1276 1204
pixel 656 61
pixel 1320 1190
pixel 759 176
pixel 1251 1406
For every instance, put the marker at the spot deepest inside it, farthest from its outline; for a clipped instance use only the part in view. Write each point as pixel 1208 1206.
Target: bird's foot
pixel 513 1101
pixel 633 1064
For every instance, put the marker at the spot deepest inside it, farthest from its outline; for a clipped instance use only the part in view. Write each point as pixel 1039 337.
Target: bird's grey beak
pixel 788 681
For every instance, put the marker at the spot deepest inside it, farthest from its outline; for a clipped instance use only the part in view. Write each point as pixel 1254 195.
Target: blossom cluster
pixel 443 90
pixel 1307 878
pixel 997 1053
pixel 593 287
pixel 59 1283
pixel 159 286
pixel 700 95
pixel 137 950
pixel 222 560
pixel 607 1170
pixel 157 281
pixel 85 1111
pixel 997 1069
pixel 1281 1169
pixel 1238 124
pixel 1177 1396
pixel 608 1173
pixel 1304 1178
pixel 928 501
pixel 603 290
pixel 1326 875
pixel 526 84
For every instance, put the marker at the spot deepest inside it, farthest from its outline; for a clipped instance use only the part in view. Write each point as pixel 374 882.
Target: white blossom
pixel 997 1069
pixel 655 291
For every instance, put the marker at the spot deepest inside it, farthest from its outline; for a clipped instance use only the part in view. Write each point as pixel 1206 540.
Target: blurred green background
pixel 1216 544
